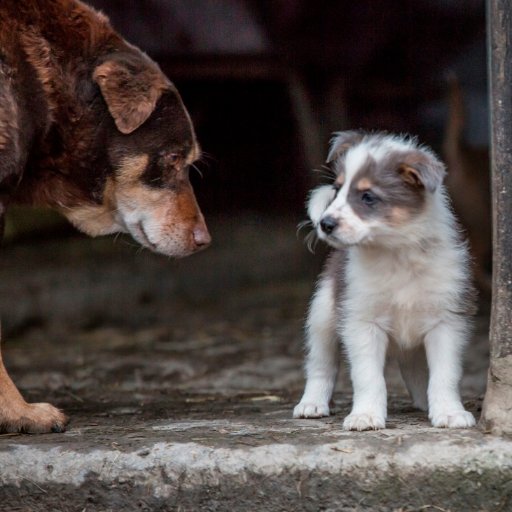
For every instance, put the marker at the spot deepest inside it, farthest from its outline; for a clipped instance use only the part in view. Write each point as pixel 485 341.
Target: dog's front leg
pixel 16 415
pixel 443 346
pixel 322 359
pixel 366 345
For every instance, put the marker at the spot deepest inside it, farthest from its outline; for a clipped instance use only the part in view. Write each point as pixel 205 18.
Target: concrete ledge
pixel 402 468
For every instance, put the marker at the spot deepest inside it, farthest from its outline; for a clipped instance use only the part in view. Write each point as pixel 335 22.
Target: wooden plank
pixel 497 410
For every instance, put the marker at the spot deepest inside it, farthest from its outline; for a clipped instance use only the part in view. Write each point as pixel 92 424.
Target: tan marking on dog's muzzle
pixel 171 220
pixel 132 167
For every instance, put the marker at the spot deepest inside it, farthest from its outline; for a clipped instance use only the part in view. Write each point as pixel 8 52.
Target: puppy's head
pixel 145 149
pixel 381 192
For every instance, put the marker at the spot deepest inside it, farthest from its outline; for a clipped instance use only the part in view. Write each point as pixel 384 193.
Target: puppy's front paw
pixel 453 419
pixel 364 421
pixel 311 410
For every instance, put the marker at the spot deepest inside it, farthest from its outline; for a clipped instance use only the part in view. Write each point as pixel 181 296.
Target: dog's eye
pixel 369 198
pixel 171 159
pixel 336 187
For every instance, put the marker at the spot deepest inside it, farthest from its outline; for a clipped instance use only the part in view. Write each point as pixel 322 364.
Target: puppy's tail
pixel 453 137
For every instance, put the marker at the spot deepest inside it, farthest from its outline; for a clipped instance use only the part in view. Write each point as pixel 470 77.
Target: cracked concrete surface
pixel 180 379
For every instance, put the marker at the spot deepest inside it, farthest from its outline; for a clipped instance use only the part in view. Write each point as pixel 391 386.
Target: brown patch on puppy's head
pixel 397 188
pixel 398 215
pixel 364 184
pixel 422 169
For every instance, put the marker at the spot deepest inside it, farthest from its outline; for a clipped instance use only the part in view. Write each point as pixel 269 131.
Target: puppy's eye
pixel 336 187
pixel 369 198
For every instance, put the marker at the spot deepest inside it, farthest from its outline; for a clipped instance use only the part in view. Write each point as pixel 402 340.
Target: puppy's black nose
pixel 328 224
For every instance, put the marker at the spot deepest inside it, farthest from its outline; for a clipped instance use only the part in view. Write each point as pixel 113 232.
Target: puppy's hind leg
pixel 414 370
pixel 322 359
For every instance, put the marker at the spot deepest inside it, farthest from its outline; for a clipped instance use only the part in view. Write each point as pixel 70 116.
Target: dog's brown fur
pixel 89 125
pixel 468 181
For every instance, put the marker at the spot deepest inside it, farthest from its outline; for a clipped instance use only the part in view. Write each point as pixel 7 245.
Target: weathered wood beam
pixel 497 409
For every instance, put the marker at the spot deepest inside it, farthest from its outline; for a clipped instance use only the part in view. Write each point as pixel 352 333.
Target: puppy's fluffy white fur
pixel 398 287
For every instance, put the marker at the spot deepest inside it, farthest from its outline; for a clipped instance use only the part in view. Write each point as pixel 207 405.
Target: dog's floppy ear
pixel 342 141
pixel 422 169
pixel 130 86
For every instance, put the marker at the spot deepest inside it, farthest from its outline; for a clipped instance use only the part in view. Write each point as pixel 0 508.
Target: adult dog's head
pixel 145 144
pixel 101 133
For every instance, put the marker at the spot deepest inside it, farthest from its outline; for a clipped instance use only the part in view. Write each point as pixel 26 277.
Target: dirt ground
pixel 140 350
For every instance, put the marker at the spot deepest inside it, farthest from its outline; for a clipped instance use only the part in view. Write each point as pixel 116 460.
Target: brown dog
pixel 90 126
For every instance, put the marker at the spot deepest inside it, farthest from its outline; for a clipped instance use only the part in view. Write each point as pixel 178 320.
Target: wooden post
pixel 497 408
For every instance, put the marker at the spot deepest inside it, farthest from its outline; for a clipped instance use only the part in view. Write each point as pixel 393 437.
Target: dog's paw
pixel 311 410
pixel 364 421
pixel 453 419
pixel 34 419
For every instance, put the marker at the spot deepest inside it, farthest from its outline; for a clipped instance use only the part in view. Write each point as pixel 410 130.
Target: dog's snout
pixel 201 235
pixel 328 224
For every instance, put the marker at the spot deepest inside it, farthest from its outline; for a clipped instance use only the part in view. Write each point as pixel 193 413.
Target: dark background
pixel 267 82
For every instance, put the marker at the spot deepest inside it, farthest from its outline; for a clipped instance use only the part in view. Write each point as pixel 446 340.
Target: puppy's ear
pixel 422 169
pixel 130 86
pixel 342 141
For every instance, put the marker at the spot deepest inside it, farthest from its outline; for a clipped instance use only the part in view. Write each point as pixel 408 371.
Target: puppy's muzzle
pixel 328 224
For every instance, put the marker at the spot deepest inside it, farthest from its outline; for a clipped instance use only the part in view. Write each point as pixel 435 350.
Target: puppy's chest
pixel 404 302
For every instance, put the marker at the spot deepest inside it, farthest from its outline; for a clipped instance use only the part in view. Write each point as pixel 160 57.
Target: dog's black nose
pixel 328 224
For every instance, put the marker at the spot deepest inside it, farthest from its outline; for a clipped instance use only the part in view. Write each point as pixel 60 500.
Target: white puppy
pixel 398 279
